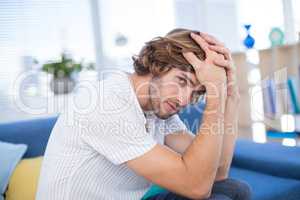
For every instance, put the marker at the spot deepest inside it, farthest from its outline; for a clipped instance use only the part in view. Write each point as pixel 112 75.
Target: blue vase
pixel 249 41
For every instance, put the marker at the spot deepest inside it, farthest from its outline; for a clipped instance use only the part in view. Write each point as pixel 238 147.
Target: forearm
pixel 230 135
pixel 203 155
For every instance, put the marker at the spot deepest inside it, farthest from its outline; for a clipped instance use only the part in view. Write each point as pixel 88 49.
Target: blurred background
pixel 44 44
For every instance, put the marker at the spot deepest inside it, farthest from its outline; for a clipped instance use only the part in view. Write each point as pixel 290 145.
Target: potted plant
pixel 63 80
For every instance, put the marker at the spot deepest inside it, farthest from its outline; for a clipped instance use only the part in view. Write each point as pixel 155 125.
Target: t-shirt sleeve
pixel 118 132
pixel 119 137
pixel 174 124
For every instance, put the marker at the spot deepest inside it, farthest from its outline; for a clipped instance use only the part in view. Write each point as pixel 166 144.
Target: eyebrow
pixel 190 80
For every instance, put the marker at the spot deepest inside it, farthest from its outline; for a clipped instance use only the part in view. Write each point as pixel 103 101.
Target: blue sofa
pixel 272 170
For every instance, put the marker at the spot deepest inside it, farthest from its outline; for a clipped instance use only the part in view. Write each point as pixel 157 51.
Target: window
pixel 296 4
pixel 42 29
pixel 127 25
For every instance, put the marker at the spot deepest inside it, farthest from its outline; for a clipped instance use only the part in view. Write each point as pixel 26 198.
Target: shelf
pixel 274 124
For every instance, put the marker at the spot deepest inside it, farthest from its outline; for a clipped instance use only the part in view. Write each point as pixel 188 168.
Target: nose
pixel 184 98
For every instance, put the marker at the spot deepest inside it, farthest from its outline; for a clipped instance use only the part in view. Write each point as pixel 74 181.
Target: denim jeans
pixel 228 189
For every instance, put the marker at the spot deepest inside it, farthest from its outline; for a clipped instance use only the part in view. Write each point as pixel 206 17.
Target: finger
pixel 192 59
pixel 222 50
pixel 211 39
pixel 219 60
pixel 232 88
pixel 230 76
pixel 201 42
pixel 223 63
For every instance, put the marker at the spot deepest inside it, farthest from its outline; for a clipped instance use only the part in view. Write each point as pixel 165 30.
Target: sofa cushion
pixel 271 158
pixel 24 181
pixel 191 115
pixel 35 133
pixel 10 155
pixel 268 187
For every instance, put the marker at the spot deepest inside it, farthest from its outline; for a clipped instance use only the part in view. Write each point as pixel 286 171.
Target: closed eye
pixel 182 81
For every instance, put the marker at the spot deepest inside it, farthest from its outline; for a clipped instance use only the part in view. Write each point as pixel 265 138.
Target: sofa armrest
pixel 270 158
pixel 35 133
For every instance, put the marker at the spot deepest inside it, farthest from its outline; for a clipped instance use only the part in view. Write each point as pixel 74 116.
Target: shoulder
pixel 115 96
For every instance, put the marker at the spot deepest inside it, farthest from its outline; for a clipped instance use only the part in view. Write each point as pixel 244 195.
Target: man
pixel 133 136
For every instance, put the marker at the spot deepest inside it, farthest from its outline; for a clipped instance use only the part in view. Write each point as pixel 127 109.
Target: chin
pixel 164 115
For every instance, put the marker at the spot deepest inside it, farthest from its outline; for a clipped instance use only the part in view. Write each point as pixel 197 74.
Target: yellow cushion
pixel 23 183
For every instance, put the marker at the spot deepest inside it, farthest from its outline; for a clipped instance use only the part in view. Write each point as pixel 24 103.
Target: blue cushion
pixel 35 133
pixel 191 115
pixel 263 186
pixel 10 155
pixel 268 187
pixel 271 158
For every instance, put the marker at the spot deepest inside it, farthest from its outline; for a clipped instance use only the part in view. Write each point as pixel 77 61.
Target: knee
pixel 241 188
pixel 235 189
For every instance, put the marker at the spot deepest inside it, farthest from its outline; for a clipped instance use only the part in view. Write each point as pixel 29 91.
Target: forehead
pixel 189 75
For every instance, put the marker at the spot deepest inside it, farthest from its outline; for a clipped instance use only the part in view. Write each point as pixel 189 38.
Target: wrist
pixel 214 108
pixel 217 88
pixel 216 97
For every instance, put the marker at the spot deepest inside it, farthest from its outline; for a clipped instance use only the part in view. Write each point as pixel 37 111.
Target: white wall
pixel 217 17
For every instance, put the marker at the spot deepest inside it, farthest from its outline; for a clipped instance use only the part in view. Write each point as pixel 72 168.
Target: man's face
pixel 172 91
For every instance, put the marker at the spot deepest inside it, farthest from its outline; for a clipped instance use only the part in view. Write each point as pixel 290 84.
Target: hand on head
pixel 218 67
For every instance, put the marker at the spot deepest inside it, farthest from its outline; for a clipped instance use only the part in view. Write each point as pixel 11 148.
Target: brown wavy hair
pixel 163 53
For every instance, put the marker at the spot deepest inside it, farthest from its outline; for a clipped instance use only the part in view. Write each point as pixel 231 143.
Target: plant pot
pixel 62 85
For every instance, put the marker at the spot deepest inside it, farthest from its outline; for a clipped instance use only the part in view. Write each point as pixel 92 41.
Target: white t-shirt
pixel 87 152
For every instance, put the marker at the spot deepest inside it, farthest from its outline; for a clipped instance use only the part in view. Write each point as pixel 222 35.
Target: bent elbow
pixel 200 193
